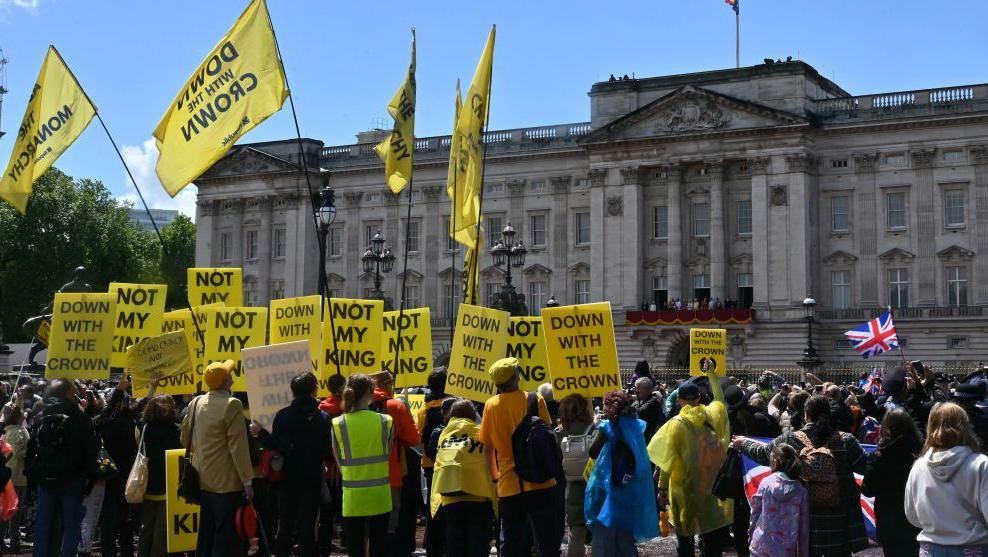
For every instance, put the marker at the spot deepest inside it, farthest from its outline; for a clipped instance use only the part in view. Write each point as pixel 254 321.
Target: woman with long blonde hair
pixel 947 490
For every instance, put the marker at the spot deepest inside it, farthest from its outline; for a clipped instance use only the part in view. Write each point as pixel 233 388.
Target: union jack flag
pixel 875 336
pixel 735 5
pixel 873 384
pixel 754 473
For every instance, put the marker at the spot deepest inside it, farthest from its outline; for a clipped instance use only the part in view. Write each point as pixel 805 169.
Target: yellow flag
pixel 454 189
pixel 470 126
pixel 239 84
pixel 471 277
pixel 398 149
pixel 57 113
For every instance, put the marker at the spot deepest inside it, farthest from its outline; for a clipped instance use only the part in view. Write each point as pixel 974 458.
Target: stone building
pixel 764 185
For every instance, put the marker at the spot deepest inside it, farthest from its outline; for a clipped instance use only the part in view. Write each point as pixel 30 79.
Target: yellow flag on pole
pixel 398 149
pixel 57 113
pixel 470 125
pixel 454 189
pixel 239 84
pixel 471 277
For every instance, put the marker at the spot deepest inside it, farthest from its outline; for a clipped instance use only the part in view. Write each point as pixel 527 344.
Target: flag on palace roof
pixel 875 336
pixel 735 5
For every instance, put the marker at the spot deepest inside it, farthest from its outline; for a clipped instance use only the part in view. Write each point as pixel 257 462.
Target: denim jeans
pixel 927 549
pixel 62 500
pixel 534 512
pixel 217 525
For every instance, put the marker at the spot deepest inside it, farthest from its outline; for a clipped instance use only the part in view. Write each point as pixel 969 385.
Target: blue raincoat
pixel 623 507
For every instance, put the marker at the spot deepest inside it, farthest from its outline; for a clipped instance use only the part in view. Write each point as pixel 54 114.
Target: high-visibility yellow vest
pixel 362 444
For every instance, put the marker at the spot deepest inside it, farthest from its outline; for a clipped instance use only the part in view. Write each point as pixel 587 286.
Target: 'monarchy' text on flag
pixel 239 84
pixel 398 149
pixel 57 113
pixel 875 336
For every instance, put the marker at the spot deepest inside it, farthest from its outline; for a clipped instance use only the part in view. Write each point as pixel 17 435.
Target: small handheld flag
pixel 875 336
pixel 735 5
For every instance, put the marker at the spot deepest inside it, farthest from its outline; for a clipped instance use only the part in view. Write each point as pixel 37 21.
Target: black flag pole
pixel 327 306
pixel 404 273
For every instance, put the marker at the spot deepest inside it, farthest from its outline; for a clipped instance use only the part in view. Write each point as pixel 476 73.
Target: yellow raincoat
pixel 462 471
pixel 690 449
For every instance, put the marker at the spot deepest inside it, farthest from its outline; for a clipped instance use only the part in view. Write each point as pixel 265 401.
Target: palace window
pixel 893 159
pixel 536 297
pixel 840 213
pixel 251 245
pixel 226 246
pixel 895 210
pixel 840 289
pixel 412 236
pixel 277 289
pixel 334 242
pixel 744 217
pixel 451 300
pixel 494 227
pixel 701 220
pixel 538 185
pixel 537 230
pixel 582 228
pixel 451 244
pixel 899 288
pixel 280 242
pixel 701 287
pixel 660 222
pixel 957 286
pixel 953 207
pixel 582 288
pixel 411 296
pixel 746 290
pixel 660 291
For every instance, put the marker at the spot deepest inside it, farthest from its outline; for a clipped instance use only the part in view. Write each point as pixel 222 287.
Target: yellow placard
pixel 140 308
pixel 182 519
pixel 164 359
pixel 479 340
pixel 413 351
pixel 210 285
pixel 181 320
pixel 44 331
pixel 237 86
pixel 581 349
pixel 82 336
pixel 230 330
pixel 415 403
pixel 297 319
pixel 269 371
pixel 708 351
pixel 356 344
pixel 525 342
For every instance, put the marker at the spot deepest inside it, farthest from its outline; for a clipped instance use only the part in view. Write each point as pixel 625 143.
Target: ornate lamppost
pixel 810 361
pixel 325 202
pixel 378 259
pixel 508 253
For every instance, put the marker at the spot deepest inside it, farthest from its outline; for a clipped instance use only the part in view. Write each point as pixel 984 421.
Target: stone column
pixel 759 234
pixel 598 177
pixel 924 189
pixel 296 247
pixel 265 251
pixel 516 210
pixel 718 236
pixel 865 223
pixel 980 157
pixel 435 244
pixel 207 241
pixel 801 202
pixel 354 243
pixel 561 243
pixel 633 227
pixel 674 200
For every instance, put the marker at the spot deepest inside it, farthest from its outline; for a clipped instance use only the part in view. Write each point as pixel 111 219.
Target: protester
pixel 780 510
pixel 885 479
pixel 836 523
pixel 648 406
pixel 428 419
pixel 301 435
pixel 403 469
pixel 619 507
pixel 689 450
pixel 330 510
pixel 967 395
pixel 904 391
pixel 642 369
pixel 545 389
pixel 61 453
pixel 159 434
pixel 362 441
pixel 462 485
pixel 523 504
pixel 214 431
pixel 576 432
pixel 17 436
pixel 947 490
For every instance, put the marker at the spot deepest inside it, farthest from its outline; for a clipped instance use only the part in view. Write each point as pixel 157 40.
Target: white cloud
pixel 142 159
pixel 29 6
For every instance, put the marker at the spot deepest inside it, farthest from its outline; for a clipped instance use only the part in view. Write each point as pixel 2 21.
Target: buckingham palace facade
pixel 764 185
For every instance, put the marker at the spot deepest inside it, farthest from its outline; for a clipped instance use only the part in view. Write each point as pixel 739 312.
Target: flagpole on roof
pixel 737 36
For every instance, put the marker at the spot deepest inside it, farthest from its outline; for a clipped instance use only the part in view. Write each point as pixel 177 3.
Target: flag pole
pixel 737 38
pixel 452 225
pixel 308 185
pixel 408 223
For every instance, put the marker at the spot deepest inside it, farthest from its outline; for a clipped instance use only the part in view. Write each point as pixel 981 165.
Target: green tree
pixel 71 223
pixel 179 239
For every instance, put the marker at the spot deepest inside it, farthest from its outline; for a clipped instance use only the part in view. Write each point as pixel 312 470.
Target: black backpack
pixel 50 464
pixel 537 457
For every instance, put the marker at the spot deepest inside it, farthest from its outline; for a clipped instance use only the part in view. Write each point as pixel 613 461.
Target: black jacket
pixel 301 433
pixel 159 438
pixel 885 479
pixel 80 446
pixel 651 413
pixel 116 425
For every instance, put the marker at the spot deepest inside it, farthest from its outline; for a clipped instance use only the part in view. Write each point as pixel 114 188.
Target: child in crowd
pixel 780 512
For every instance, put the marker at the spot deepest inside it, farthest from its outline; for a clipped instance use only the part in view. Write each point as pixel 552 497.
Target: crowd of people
pixel 523 472
pixel 693 304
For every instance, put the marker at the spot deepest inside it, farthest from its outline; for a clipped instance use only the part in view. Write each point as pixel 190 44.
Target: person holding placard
pixel 159 434
pixel 523 504
pixel 220 454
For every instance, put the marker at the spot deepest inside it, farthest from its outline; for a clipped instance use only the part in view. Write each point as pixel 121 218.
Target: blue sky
pixel 345 59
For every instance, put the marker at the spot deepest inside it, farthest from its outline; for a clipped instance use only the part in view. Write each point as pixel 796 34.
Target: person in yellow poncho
pixel 462 487
pixel 689 451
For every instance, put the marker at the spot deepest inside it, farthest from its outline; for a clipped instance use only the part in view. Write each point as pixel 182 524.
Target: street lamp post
pixel 810 361
pixel 325 200
pixel 378 259
pixel 508 253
